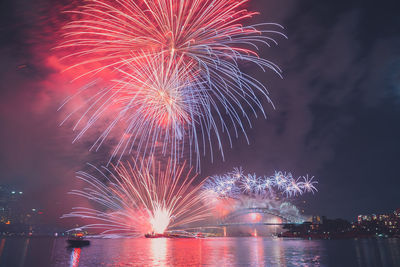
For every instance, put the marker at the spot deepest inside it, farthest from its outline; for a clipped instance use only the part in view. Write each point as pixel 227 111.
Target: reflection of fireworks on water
pixel 203 40
pixel 235 184
pixel 138 200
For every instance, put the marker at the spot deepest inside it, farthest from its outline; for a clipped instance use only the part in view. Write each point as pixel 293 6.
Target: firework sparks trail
pixel 308 185
pixel 237 184
pixel 202 41
pixel 154 107
pixel 138 200
pixel 237 191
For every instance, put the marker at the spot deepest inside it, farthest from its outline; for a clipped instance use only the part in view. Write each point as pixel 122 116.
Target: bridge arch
pixel 227 220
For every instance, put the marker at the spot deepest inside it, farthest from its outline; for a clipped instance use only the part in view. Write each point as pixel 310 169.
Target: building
pixel 379 224
pixel 15 217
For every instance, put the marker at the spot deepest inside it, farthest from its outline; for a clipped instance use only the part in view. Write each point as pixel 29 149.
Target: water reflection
pixel 278 253
pixel 159 251
pixel 182 251
pixel 249 251
pixel 24 251
pixel 2 243
pixel 380 252
pixel 75 256
pixel 258 251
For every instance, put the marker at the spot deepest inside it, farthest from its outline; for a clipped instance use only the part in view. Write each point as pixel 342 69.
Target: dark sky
pixel 337 108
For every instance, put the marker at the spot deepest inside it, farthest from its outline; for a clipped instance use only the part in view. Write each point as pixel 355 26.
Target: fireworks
pixel 137 200
pixel 152 105
pixel 179 68
pixel 236 191
pixel 308 185
pixel 236 184
pixel 206 32
pixel 177 83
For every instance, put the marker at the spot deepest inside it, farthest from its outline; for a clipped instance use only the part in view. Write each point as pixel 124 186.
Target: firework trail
pixel 308 185
pixel 237 184
pixel 237 191
pixel 153 106
pixel 137 200
pixel 195 45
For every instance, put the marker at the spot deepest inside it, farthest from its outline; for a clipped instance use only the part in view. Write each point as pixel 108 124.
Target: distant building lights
pixel 20 192
pixel 12 192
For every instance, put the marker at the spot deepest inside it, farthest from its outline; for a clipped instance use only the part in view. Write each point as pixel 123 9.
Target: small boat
pixel 78 243
pixel 275 236
pixel 76 240
pixel 172 234
pixel 154 235
pixel 181 236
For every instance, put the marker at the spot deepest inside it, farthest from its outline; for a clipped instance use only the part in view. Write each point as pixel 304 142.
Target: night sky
pixel 337 108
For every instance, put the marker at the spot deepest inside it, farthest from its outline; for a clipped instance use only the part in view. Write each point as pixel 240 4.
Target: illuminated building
pixel 379 224
pixel 15 217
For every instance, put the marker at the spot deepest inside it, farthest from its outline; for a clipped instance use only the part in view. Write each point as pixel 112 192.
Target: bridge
pixel 233 219
pixel 229 220
pixel 250 224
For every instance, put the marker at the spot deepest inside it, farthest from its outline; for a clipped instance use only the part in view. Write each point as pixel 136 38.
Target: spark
pixel 308 185
pixel 178 64
pixel 152 105
pixel 251 191
pixel 281 183
pixel 137 200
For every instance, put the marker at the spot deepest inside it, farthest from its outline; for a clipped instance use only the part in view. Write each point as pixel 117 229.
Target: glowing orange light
pixel 255 217
pixel 255 233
